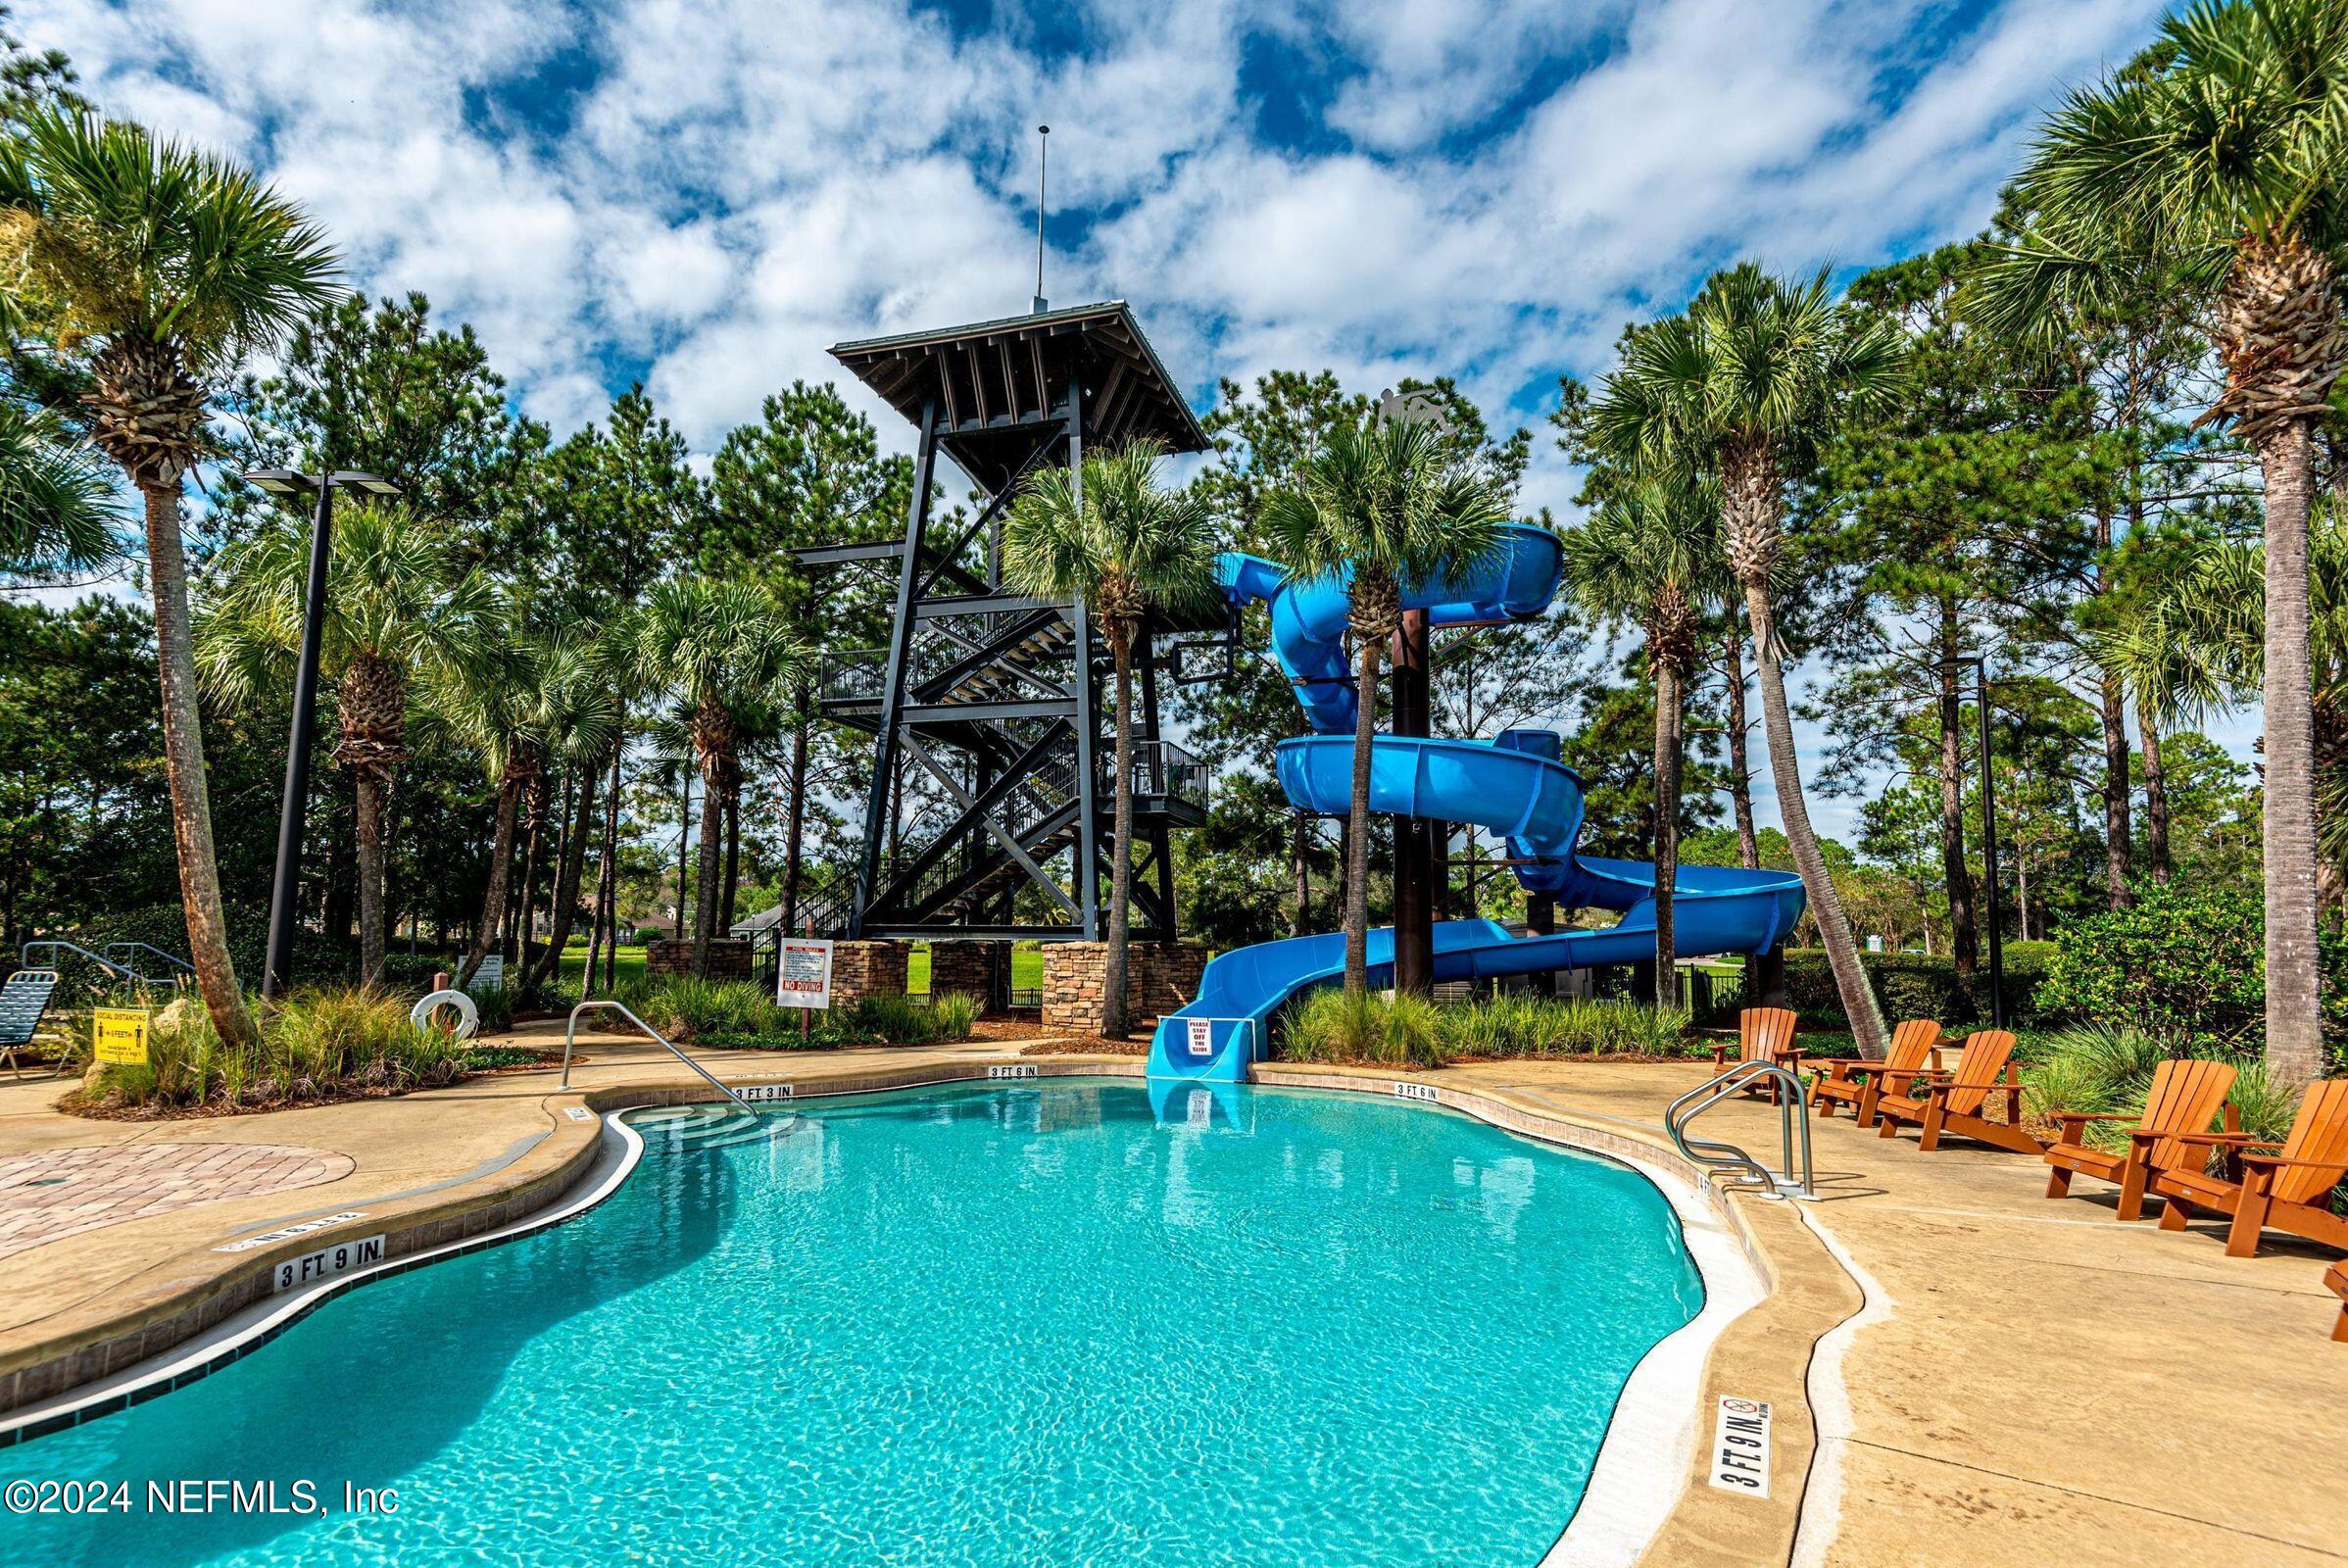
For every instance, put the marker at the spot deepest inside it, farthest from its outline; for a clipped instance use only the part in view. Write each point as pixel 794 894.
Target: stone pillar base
pixel 729 957
pixel 969 967
pixel 1159 978
pixel 861 969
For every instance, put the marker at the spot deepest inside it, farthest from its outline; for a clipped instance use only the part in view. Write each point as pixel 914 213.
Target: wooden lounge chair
pixel 2289 1189
pixel 24 1005
pixel 2187 1096
pixel 1951 1102
pixel 2338 1278
pixel 1915 1047
pixel 1763 1034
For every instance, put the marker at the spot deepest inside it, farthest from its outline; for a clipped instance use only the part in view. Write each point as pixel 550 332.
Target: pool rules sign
pixel 803 976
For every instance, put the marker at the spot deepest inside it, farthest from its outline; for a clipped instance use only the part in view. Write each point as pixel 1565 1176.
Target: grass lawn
pixel 631 966
pixel 1027 969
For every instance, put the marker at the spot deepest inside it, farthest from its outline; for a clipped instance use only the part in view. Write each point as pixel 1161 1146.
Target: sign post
pixel 803 976
pixel 118 1035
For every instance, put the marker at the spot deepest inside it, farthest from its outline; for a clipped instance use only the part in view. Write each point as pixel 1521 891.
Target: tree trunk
pixel 1826 906
pixel 183 765
pixel 1740 768
pixel 2156 795
pixel 606 878
pixel 1667 833
pixel 501 872
pixel 2116 829
pixel 794 834
pixel 1113 1020
pixel 1949 707
pixel 1357 827
pixel 733 858
pixel 564 913
pixel 2294 1032
pixel 713 795
pixel 523 923
pixel 1299 866
pixel 370 786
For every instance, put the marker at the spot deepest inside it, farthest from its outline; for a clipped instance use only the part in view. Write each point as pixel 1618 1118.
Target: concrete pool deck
pixel 1963 1371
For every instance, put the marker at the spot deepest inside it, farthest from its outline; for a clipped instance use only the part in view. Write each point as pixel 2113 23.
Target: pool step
pixel 700 1127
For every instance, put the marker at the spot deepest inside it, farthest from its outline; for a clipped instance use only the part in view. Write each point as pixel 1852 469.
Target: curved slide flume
pixel 1513 786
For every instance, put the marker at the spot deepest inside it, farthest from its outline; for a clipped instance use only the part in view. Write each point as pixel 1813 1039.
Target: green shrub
pixel 904 1021
pixel 2184 965
pixel 685 1007
pixel 316 1043
pixel 955 1014
pixel 1517 1024
pixel 1327 1026
pixel 1917 985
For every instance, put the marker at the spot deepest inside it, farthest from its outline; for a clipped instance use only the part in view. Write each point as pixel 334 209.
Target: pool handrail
pixel 571 1033
pixel 1728 1156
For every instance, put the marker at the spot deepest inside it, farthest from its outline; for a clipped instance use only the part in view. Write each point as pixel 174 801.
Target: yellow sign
pixel 120 1036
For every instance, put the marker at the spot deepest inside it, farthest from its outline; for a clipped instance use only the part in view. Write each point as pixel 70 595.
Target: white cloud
pixel 710 191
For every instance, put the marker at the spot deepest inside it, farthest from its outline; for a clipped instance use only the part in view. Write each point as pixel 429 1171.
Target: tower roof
pixel 1001 382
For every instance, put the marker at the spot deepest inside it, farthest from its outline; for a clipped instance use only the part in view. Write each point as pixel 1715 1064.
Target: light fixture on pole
pixel 1997 966
pixel 288 484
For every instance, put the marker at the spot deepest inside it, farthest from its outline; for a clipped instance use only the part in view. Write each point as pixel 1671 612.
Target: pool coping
pixel 1632 1506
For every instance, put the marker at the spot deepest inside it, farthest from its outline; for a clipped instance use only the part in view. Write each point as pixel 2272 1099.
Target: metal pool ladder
pixel 1719 1156
pixel 571 1034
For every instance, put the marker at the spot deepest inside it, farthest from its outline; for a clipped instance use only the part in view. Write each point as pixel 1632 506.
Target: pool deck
pixel 1963 1371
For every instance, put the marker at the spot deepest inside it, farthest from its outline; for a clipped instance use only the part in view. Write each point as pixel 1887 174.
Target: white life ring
pixel 469 1018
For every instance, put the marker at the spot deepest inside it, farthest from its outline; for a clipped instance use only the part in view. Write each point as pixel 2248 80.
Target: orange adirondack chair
pixel 2338 1278
pixel 2289 1189
pixel 1763 1034
pixel 1915 1046
pixel 1951 1102
pixel 2187 1096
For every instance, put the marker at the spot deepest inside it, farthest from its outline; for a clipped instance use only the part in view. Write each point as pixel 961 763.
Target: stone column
pixel 861 969
pixel 1159 978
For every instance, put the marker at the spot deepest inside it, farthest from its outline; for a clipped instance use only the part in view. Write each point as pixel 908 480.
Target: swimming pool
pixel 974 1325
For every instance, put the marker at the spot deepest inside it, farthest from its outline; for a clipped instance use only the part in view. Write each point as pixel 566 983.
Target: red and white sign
pixel 804 977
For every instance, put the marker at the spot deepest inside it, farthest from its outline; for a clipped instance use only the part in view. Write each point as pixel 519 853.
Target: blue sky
pixel 703 193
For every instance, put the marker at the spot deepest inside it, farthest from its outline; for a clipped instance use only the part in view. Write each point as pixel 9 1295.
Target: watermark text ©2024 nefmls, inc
pixel 191 1495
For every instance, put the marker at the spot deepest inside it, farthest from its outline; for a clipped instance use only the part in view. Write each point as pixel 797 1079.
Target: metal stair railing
pixel 1723 1157
pixel 55 945
pixel 571 1036
pixel 176 968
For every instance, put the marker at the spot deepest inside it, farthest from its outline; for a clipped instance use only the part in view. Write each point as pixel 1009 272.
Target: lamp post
pixel 1997 966
pixel 286 884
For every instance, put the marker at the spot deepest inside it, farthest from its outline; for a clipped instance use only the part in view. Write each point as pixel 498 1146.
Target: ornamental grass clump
pixel 325 1044
pixel 1382 1031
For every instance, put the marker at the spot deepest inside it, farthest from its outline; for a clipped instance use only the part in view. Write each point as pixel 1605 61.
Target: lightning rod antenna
pixel 1043 171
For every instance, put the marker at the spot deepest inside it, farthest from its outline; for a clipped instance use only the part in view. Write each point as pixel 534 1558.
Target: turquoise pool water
pixel 982 1326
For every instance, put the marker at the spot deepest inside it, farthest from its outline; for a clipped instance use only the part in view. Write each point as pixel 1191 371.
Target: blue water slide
pixel 1516 582
pixel 1514 786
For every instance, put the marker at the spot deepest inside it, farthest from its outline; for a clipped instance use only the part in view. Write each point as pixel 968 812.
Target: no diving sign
pixel 1740 1447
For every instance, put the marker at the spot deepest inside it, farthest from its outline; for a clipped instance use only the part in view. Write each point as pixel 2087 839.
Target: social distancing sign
pixel 118 1035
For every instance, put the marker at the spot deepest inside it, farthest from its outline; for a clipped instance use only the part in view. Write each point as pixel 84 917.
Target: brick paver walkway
pixel 64 1190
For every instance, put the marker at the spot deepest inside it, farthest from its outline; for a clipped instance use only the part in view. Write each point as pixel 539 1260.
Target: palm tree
pixel 161 267
pixel 725 652
pixel 1735 392
pixel 2198 644
pixel 2224 156
pixel 1651 556
pixel 1388 504
pixel 496 708
pixel 396 611
pixel 56 506
pixel 579 724
pixel 1113 536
